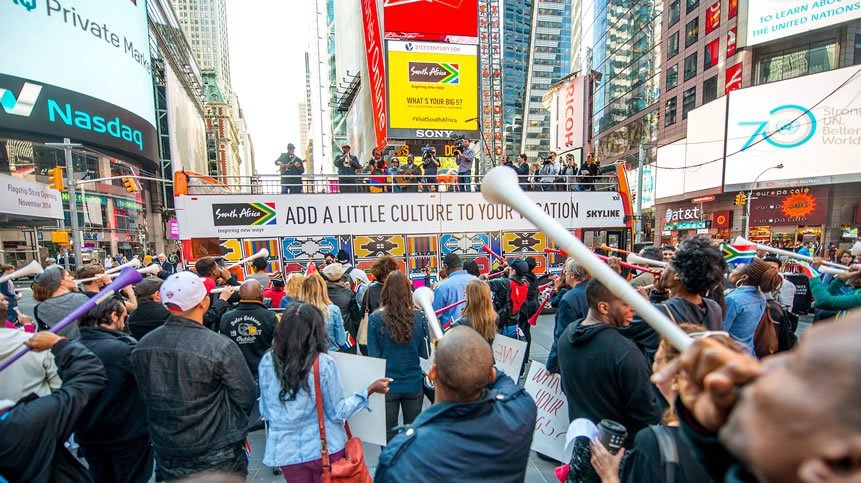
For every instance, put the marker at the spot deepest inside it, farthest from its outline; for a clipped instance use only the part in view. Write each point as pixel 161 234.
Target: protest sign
pixel 508 355
pixel 552 422
pixel 357 373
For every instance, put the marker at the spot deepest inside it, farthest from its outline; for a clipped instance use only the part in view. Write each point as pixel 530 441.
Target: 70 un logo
pixel 788 126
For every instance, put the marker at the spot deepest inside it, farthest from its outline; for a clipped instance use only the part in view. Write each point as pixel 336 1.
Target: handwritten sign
pixel 508 354
pixel 357 373
pixel 551 425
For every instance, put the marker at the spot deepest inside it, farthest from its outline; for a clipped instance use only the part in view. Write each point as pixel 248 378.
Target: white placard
pixel 551 426
pixel 508 355
pixel 29 198
pixel 357 373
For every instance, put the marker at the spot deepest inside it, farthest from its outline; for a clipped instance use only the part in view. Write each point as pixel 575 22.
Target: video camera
pixel 459 143
pixel 428 152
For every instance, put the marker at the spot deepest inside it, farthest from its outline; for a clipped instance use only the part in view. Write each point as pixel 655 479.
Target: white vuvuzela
pixel 263 253
pixel 33 268
pixel 423 298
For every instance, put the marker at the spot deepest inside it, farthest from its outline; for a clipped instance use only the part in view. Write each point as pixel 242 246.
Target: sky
pixel 267 70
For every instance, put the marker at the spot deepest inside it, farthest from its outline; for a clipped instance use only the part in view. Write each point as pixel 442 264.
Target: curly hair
pixel 397 303
pixel 382 267
pixel 699 264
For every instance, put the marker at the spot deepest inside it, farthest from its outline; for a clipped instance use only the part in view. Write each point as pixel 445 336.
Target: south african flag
pixel 738 253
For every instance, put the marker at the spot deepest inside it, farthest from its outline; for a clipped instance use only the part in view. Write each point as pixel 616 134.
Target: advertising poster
pixel 768 20
pixel 439 20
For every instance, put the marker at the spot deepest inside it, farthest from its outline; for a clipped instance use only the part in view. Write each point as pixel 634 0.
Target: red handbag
pixel 351 468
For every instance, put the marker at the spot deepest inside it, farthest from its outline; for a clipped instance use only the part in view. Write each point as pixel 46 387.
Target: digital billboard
pixel 79 70
pixel 451 20
pixel 433 90
pixel 767 20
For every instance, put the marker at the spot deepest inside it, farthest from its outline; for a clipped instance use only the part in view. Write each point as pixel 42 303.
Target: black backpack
pixel 669 451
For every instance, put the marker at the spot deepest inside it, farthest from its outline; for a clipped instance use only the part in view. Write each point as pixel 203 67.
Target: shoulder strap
pixel 669 451
pixel 349 269
pixel 670 313
pixel 321 421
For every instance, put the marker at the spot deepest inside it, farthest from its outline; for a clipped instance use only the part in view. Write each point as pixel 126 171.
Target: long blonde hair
pixel 314 293
pixel 479 309
pixel 294 285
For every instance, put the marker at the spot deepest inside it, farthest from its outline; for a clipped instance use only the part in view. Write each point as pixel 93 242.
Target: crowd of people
pixel 168 377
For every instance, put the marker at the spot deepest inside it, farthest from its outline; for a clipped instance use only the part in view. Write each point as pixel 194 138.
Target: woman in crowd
pixel 398 333
pixel 292 289
pixel 372 298
pixel 478 312
pixel 275 293
pixel 314 293
pixel 746 304
pixel 58 295
pixel 843 257
pixel 289 404
pixel 834 297
pixel 695 269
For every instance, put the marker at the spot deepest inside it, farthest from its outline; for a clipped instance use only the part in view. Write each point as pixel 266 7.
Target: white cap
pixel 184 290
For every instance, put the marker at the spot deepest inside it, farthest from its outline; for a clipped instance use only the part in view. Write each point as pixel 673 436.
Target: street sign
pixel 703 199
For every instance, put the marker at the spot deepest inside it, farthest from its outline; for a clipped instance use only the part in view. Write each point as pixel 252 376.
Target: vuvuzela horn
pixel 449 307
pixel 638 260
pixel 134 263
pixel 150 270
pixel 785 253
pixel 423 298
pixel 32 268
pixel 262 253
pixel 489 251
pixel 500 186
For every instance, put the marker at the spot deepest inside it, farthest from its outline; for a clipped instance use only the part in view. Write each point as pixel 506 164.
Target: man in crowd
pixel 210 272
pixel 259 266
pixel 35 373
pixel 522 169
pixel 547 175
pixel 165 264
pixel 356 275
pixel 644 279
pixel 588 171
pixel 250 325
pixel 452 289
pixel 150 313
pixel 196 385
pixel 343 297
pixel 618 374
pixel 291 168
pixel 92 287
pixel 483 419
pixel 347 165
pixel 465 159
pixel 572 308
pixel 667 252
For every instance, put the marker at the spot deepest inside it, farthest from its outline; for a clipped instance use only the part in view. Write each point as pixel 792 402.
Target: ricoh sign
pixel 568 108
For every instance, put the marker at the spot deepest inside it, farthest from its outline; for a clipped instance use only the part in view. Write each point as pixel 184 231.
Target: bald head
pixel 464 363
pixel 251 290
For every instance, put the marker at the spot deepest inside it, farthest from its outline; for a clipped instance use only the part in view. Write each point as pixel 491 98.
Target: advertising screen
pixel 79 70
pixel 187 127
pixel 430 19
pixel 768 20
pixel 799 123
pixel 433 90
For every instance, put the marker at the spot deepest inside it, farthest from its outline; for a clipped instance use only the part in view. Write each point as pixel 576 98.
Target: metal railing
pixel 364 183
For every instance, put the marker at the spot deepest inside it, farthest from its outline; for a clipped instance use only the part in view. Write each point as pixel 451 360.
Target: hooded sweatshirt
pixel 51 311
pixel 605 376
pixel 35 373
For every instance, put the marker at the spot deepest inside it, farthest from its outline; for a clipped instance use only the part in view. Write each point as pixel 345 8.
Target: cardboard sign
pixel 551 426
pixel 508 355
pixel 357 373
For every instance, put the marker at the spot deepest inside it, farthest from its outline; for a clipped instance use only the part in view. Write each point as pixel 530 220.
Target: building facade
pixel 516 34
pixel 223 155
pixel 205 25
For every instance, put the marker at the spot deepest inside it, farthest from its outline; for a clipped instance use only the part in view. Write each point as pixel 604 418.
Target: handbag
pixel 362 335
pixel 351 468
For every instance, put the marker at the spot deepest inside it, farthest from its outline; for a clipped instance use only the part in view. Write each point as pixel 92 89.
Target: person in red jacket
pixel 275 292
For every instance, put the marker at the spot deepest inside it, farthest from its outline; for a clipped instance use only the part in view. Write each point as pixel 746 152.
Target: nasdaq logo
pixel 788 126
pixel 81 119
pixel 23 104
pixel 28 4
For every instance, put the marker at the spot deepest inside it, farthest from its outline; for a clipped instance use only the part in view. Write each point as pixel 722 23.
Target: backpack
pixel 669 451
pixel 765 335
pixel 509 298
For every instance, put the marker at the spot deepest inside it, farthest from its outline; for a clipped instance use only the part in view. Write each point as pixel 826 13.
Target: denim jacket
pixel 294 435
pixel 744 308
pixel 335 329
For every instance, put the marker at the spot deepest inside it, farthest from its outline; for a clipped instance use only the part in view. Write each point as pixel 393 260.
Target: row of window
pixel 689 100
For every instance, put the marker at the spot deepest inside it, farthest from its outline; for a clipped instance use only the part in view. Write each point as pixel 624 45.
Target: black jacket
pixel 117 416
pixel 347 164
pixel 572 307
pixel 32 432
pixel 146 318
pixel 643 462
pixel 345 299
pixel 605 376
pixel 487 439
pixel 251 326
pixel 720 464
pixel 212 317
pixel 196 386
pixel 531 304
pixel 373 297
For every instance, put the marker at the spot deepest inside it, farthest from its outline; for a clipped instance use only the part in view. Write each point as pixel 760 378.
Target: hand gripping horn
pixel 33 268
pixel 262 253
pixel 423 298
pixel 785 253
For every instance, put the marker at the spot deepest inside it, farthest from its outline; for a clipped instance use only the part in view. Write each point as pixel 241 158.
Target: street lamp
pixel 750 195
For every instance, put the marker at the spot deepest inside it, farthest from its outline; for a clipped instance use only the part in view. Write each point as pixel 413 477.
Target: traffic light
pixel 56 177
pixel 740 199
pixel 131 185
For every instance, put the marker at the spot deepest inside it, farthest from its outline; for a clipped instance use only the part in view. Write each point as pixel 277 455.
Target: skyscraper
pixel 204 23
pixel 516 29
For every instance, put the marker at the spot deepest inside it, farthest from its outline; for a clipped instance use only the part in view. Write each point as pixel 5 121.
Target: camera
pixel 459 143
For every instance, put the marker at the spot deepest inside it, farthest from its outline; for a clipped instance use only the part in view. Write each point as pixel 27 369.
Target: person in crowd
pixel 483 419
pixel 803 249
pixel 314 293
pixel 109 262
pixel 533 177
pixel 7 290
pixel 357 276
pixel 292 289
pixel 832 298
pixel 372 298
pixel 567 172
pixel 595 351
pixel 287 402
pixel 746 304
pixel 210 272
pixel 478 312
pixel 57 294
pixel 667 252
pixel 843 257
pixel 113 433
pixel 49 262
pixel 522 169
pixel 509 294
pixel 291 168
pixel 250 325
pixel 347 165
pixel 560 286
pixel 430 167
pixel 507 162
pixel 644 279
pixel 588 172
pixel 745 416
pixel 330 258
pixel 199 426
pixel 644 461
pixel 275 292
pixel 343 297
pixel 394 169
pixel 150 313
pixel 785 293
pixel 33 430
pixel 547 175
pixel 409 175
pixel 35 373
pixel 165 264
pixel 398 333
pixel 452 289
pixel 471 268
pixel 573 307
pixel 91 288
pixel 464 158
pixel 260 266
pixel 378 170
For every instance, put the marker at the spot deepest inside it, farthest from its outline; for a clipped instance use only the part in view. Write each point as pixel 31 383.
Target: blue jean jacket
pixel 744 308
pixel 294 436
pixel 335 329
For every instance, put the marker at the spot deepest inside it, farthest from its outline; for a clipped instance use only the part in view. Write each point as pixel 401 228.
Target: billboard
pixel 767 20
pixel 79 70
pixel 567 105
pixel 810 124
pixel 433 90
pixel 186 125
pixel 790 206
pixel 438 20
pixel 376 69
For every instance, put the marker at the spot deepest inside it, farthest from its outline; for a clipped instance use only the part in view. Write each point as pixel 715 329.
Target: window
pixel 732 11
pixel 713 17
pixel 710 89
pixel 692 32
pixel 670 109
pixel 731 48
pixel 711 54
pixel 675 12
pixel 856 57
pixel 689 101
pixel 691 66
pixel 673 46
pixel 692 4
pixel 787 64
pixel 733 78
pixel 672 76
